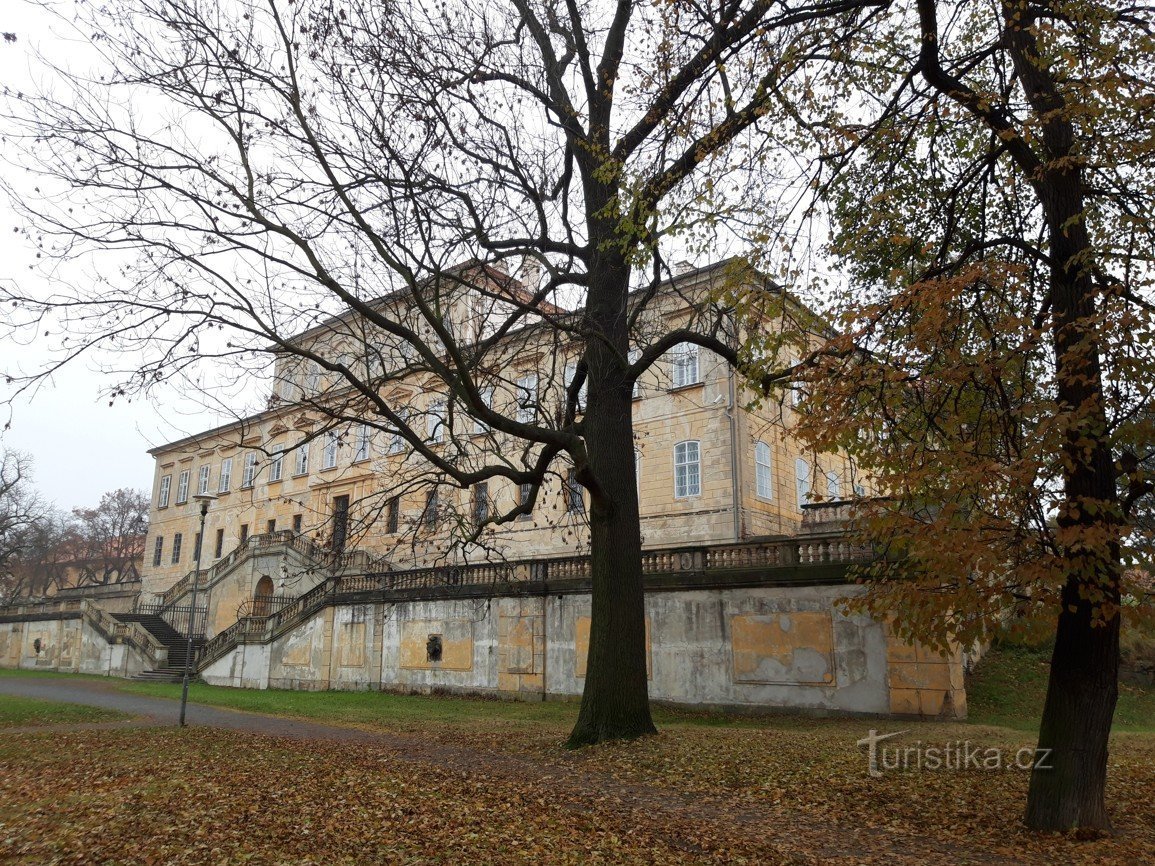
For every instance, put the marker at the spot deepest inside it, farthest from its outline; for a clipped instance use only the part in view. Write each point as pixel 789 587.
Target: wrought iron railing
pixel 181 617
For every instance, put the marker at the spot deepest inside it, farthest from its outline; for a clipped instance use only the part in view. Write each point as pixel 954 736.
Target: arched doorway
pixel 263 597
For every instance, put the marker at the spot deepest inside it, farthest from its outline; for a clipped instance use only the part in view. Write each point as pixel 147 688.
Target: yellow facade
pixel 740 493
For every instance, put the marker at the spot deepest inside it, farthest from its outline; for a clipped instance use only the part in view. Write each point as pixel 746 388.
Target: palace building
pixel 337 553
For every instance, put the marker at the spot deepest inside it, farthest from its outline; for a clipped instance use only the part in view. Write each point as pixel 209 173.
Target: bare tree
pixel 21 510
pixel 306 180
pixel 111 537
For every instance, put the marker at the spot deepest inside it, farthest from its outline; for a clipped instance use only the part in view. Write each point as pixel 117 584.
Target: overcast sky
pixel 82 447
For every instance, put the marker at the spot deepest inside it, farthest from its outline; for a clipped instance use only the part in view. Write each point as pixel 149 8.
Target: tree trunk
pixel 615 700
pixel 1068 782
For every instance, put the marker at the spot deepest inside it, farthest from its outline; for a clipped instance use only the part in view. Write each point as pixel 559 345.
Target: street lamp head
pixel 204 499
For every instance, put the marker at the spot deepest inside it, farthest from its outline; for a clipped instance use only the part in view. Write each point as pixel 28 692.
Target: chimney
pixel 531 272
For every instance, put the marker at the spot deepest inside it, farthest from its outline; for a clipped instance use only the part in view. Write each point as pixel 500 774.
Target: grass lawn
pixel 17 712
pixel 1009 685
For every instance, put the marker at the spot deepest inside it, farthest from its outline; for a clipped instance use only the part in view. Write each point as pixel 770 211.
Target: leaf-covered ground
pixel 797 792
pixel 454 781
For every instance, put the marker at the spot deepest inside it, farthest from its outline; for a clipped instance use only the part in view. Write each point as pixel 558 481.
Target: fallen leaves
pixel 790 791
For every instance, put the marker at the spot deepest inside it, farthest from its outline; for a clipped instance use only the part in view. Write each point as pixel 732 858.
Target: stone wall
pixel 65 645
pixel 747 648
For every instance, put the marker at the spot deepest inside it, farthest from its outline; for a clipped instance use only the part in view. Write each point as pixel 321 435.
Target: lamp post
pixel 204 499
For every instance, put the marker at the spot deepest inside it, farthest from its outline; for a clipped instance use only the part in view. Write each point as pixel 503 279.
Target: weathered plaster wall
pixel 66 646
pixel 770 647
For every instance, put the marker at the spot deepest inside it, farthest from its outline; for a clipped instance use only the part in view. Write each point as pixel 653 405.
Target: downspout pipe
pixel 735 481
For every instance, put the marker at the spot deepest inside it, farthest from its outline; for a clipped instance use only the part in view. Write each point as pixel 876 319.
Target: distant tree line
pixel 44 549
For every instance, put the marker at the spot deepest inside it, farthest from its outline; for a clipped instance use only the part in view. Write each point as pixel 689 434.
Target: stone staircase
pixel 177 644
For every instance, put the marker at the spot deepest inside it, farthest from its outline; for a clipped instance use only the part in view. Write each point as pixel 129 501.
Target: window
pixel 362 451
pixel 277 465
pixel 833 485
pixel 162 496
pixel 297 518
pixel 197 547
pixel 397 441
pixel 435 421
pixel 301 465
pixel 329 455
pixel 158 550
pixel 271 526
pixel 802 475
pixel 763 477
pixel 575 501
pixel 244 533
pixel 176 543
pixel 524 494
pixel 393 514
pixel 634 356
pixel 249 473
pixel 480 502
pixel 182 486
pixel 570 374
pixel 219 547
pixel 795 385
pixel 859 489
pixel 429 515
pixel 527 398
pixel 687 470
pixel 226 479
pixel 312 379
pixel 203 479
pixel 684 365
pixel 486 395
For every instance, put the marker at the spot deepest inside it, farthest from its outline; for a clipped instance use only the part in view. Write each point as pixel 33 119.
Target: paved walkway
pixel 164 711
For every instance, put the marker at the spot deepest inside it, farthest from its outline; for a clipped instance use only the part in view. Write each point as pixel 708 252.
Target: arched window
pixel 763 477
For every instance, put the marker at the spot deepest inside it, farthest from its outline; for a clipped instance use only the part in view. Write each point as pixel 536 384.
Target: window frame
pixel 682 354
pixel 157 551
pixel 397 439
pixel 277 465
pixel 527 398
pixel 393 515
pixel 682 469
pixel 177 543
pixel 163 492
pixel 329 452
pixel 480 503
pixel 575 494
pixel 182 486
pixel 364 444
pixel 486 395
pixel 249 470
pixel 802 482
pixel 204 479
pixel 225 478
pixel 763 492
pixel 569 374
pixel 301 460
pixel 437 422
